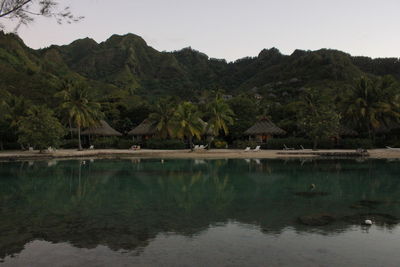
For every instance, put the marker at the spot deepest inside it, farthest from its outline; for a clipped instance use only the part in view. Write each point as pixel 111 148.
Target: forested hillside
pixel 128 77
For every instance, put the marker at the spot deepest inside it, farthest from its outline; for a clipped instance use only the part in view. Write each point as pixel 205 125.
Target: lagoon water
pixel 200 213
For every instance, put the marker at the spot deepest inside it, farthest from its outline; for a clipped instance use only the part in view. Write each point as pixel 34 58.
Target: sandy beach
pixel 202 154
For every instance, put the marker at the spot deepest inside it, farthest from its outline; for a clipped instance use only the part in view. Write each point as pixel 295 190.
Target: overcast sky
pixel 232 29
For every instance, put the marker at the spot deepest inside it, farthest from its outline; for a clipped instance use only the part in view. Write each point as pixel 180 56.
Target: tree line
pixel 370 106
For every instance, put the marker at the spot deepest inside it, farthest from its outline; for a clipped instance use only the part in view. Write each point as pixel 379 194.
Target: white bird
pixel 368 222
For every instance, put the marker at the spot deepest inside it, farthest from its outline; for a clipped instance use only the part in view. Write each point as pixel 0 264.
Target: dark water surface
pixel 199 213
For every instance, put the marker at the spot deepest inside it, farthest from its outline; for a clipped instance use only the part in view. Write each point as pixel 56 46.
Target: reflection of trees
pixel 124 205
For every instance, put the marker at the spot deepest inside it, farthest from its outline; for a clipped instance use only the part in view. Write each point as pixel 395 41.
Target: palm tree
pixel 373 103
pixel 79 108
pixel 187 122
pixel 163 117
pixel 220 116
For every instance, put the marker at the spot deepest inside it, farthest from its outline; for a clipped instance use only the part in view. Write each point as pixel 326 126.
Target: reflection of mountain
pixel 124 205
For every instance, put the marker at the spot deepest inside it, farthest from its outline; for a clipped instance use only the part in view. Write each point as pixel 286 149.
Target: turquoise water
pixel 199 213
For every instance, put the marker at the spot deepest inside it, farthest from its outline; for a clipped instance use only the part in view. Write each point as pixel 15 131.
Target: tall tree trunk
pixel 210 139
pixel 191 143
pixel 79 138
pixel 315 144
pixel 70 128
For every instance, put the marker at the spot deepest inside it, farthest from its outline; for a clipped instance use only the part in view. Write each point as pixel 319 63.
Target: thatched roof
pixel 145 128
pixel 264 127
pixel 344 131
pixel 103 129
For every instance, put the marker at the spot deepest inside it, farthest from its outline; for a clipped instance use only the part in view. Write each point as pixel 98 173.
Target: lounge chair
pixel 258 148
pixel 91 147
pixel 247 149
pixel 196 147
pixel 287 148
pixel 203 146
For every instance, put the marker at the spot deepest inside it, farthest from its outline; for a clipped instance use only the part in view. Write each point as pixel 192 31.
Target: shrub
pixel 354 143
pixel 220 144
pixel 11 146
pixel 124 143
pixel 278 143
pixel 326 144
pixel 71 143
pixel 165 144
pixel 242 144
pixel 104 142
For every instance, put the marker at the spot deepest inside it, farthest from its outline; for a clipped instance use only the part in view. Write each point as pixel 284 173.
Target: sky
pixel 232 29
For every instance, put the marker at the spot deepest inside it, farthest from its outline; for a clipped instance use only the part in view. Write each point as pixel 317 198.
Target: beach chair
pixel 91 147
pixel 196 147
pixel 287 148
pixel 258 148
pixel 247 149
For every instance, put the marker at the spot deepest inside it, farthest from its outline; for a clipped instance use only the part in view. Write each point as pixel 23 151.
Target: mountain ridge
pixel 128 63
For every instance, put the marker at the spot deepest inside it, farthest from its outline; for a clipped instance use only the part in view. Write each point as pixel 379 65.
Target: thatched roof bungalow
pixel 263 130
pixel 104 129
pixel 144 130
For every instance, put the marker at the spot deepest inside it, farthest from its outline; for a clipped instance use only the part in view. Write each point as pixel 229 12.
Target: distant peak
pixel 270 52
pixel 116 38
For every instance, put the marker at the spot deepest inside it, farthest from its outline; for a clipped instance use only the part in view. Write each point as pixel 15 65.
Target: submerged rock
pixel 319 219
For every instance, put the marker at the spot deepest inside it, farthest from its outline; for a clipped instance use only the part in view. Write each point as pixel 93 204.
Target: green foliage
pixel 123 77
pixel 317 116
pixel 40 128
pixel 373 104
pixel 293 142
pixel 165 144
pixel 78 107
pixel 124 143
pixel 188 123
pixel 354 143
pixel 104 142
pixel 163 117
pixel 242 144
pixel 220 144
pixel 220 116
pixel 245 115
pixel 70 143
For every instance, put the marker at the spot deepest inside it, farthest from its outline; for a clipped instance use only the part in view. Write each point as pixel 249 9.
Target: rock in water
pixel 368 222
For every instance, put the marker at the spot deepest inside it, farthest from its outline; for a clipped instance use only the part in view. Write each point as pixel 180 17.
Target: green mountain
pixel 126 63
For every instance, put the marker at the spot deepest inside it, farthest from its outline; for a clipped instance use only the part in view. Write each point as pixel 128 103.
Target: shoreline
pixel 187 154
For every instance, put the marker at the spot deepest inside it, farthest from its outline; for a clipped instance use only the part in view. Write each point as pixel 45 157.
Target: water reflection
pixel 126 204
